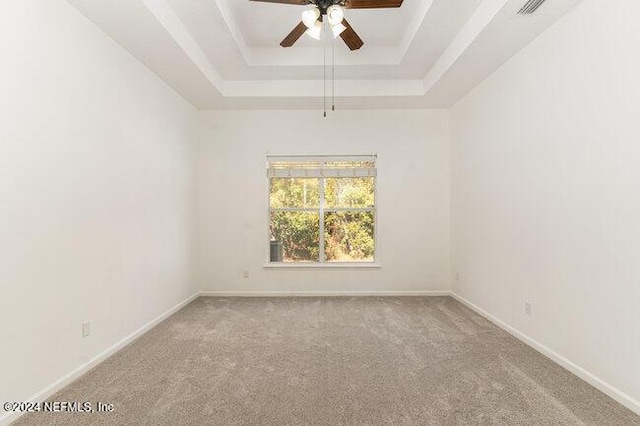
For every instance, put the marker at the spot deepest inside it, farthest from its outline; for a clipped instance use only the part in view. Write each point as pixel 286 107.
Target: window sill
pixel 278 265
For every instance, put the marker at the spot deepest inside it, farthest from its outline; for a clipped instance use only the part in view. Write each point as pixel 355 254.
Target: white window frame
pixel 322 209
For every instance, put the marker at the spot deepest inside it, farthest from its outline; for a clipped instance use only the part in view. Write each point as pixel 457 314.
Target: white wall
pixel 546 192
pixel 95 191
pixel 412 203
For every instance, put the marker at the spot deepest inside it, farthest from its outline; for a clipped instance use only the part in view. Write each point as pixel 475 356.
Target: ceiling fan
pixel 333 9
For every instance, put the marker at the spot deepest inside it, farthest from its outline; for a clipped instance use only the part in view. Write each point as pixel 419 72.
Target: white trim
pixel 588 377
pixel 371 156
pixel 321 246
pixel 420 293
pixel 326 209
pixel 596 382
pixel 315 167
pixel 54 387
pixel 320 265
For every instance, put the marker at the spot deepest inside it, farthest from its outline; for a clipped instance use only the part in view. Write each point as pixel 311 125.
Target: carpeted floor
pixel 332 361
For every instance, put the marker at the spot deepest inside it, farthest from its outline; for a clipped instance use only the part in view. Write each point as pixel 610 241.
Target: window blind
pixel 321 166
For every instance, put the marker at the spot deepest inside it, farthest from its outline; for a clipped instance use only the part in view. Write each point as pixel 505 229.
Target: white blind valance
pixel 321 166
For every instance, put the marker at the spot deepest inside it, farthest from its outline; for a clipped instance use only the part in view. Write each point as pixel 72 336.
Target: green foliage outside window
pixel 348 235
pixel 299 233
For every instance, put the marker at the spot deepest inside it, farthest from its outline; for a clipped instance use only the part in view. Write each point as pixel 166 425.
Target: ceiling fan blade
pixel 372 4
pixel 297 2
pixel 350 37
pixel 293 35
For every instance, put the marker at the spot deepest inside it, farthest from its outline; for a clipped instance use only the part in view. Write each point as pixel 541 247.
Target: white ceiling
pixel 226 53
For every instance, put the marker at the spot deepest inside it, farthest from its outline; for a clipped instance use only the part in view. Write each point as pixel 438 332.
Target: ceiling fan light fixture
pixel 310 17
pixel 335 14
pixel 337 29
pixel 315 31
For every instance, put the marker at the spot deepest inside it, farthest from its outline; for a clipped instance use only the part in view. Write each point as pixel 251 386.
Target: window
pixel 322 209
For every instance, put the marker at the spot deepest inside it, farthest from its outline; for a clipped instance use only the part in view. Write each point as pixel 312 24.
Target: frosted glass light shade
pixel 310 17
pixel 335 14
pixel 315 31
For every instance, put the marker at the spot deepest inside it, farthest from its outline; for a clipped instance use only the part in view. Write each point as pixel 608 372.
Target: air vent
pixel 530 7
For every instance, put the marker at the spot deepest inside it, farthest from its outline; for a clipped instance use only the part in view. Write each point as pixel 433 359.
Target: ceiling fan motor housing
pixel 323 5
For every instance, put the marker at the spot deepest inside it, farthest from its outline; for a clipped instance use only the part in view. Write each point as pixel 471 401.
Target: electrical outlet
pixel 527 308
pixel 86 329
pixel 245 273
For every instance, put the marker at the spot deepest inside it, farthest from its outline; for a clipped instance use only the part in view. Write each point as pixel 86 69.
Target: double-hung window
pixel 322 209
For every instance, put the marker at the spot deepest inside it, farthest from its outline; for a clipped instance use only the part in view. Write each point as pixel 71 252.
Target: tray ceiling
pixel 226 53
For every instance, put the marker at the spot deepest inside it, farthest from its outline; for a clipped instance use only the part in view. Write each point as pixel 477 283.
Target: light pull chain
pixel 324 81
pixel 333 75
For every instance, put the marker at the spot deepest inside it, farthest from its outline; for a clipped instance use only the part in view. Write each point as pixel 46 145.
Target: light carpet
pixel 332 361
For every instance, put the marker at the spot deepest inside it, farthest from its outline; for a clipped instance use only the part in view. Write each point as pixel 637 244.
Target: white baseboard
pixel 73 375
pixel 431 293
pixel 594 381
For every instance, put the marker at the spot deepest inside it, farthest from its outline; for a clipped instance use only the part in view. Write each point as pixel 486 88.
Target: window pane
pixel 346 165
pixel 349 192
pixel 349 236
pixel 294 192
pixel 296 235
